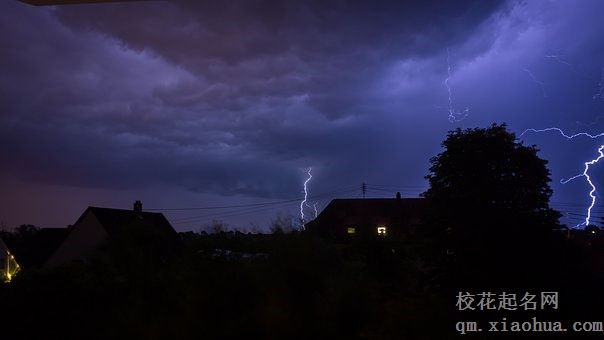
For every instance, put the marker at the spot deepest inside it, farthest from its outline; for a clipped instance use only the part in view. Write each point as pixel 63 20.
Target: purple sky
pixel 180 105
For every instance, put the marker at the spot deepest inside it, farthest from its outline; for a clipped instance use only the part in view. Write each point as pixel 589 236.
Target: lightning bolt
pixel 303 203
pixel 587 164
pixel 584 134
pixel 536 81
pixel 599 94
pixel 453 115
pixel 593 187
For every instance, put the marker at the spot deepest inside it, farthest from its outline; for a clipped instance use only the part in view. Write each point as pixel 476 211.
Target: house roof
pixel 367 208
pixel 135 227
pixel 114 220
pixel 127 232
pixel 375 205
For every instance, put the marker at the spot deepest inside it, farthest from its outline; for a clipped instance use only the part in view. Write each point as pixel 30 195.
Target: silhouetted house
pixel 8 264
pixel 134 231
pixel 346 219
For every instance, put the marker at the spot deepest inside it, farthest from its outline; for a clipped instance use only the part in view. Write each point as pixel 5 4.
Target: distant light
pixel 381 230
pixel 593 231
pixel 351 230
pixel 12 267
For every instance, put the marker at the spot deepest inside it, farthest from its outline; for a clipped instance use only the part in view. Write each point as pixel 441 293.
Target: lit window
pixel 351 230
pixel 381 230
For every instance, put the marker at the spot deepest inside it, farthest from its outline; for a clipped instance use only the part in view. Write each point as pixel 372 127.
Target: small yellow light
pixel 381 230
pixel 351 230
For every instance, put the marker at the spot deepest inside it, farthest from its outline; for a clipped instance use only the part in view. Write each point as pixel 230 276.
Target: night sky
pixel 180 104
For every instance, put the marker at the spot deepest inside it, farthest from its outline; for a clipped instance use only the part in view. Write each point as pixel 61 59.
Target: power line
pixel 422 187
pixel 246 211
pixel 253 208
pixel 336 191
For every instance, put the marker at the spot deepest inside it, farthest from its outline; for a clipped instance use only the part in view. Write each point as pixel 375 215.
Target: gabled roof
pixel 362 211
pixel 113 220
pixel 375 206
pixel 372 207
pixel 137 228
pixel 130 231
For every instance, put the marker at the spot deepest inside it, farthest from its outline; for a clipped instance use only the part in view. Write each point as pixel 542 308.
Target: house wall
pixel 81 243
pixel 366 225
pixel 401 218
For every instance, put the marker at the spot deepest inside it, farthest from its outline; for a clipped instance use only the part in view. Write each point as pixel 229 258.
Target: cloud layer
pixel 237 100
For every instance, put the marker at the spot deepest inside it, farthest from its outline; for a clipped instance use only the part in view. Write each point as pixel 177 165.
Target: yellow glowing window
pixel 381 230
pixel 351 230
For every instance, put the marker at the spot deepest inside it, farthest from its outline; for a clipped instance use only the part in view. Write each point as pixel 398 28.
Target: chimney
pixel 138 207
pixel 398 195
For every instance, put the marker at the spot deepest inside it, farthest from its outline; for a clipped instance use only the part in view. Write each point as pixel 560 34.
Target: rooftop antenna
pixel 364 189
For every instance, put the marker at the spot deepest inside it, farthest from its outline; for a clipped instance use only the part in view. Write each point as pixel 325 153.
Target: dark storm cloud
pixel 87 159
pixel 193 32
pixel 212 98
pixel 241 98
pixel 249 49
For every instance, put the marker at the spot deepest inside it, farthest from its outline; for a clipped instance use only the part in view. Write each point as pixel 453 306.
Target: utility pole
pixel 364 189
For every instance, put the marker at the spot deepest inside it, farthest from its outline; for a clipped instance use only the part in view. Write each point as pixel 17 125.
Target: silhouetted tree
pixel 282 224
pixel 489 193
pixel 216 227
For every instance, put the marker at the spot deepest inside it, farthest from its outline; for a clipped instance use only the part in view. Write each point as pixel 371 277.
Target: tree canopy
pixel 485 178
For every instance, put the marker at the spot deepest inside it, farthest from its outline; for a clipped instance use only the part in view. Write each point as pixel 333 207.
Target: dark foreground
pixel 297 286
